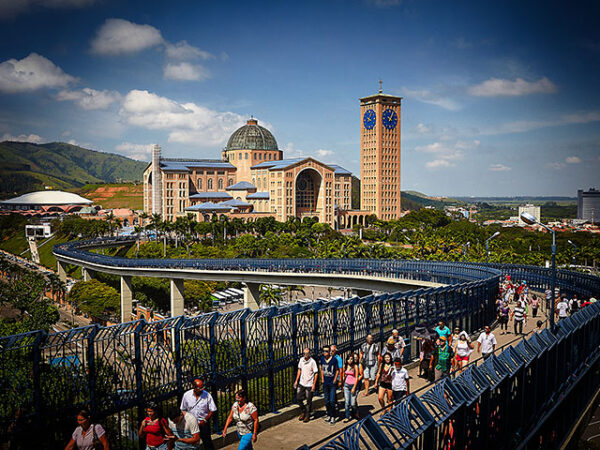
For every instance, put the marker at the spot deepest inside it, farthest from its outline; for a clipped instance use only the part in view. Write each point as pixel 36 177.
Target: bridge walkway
pixel 292 434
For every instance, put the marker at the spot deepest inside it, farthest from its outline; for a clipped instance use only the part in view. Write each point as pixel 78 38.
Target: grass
pixel 16 244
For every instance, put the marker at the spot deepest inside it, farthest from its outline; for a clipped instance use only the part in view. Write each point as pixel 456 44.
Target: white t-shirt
pixel 198 407
pixel 87 442
pixel 399 377
pixel 562 308
pixel 185 429
pixel 462 348
pixel 309 371
pixel 487 342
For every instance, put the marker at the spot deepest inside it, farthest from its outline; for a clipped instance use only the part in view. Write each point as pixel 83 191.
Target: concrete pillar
pixel 126 299
pixel 87 274
pixel 62 271
pixel 176 297
pixel 252 296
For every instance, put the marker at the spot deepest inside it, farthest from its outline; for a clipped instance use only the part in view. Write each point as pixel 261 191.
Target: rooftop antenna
pixel 380 87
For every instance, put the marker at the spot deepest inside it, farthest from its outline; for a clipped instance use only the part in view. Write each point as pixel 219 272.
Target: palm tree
pixel 143 216
pixel 155 222
pixel 109 219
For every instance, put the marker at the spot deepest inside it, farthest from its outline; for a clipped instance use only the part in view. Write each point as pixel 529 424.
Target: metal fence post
pixel 177 354
pixel 271 362
pixel 91 357
pixel 37 388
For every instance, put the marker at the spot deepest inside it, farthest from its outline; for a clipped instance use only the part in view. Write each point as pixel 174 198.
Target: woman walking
pixel 88 435
pixel 503 315
pixel 535 304
pixel 384 380
pixel 350 387
pixel 462 349
pixel 245 415
pixel 359 382
pixel 154 428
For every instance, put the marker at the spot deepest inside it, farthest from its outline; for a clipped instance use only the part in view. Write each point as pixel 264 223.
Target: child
pixel 400 381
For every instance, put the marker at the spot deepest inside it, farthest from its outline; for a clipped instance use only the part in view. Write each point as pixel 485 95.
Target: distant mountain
pixel 26 167
pixel 416 200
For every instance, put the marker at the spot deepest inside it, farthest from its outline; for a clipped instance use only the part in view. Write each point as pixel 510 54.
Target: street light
pixel 487 244
pixel 465 247
pixel 529 219
pixel 575 254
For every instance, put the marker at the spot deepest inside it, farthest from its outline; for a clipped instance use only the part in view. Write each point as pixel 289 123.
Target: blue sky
pixel 500 98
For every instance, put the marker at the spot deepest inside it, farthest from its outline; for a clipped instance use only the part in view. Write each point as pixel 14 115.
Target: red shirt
pixel 154 433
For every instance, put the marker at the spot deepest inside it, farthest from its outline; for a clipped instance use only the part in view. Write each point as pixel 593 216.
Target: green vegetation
pixel 95 298
pixel 28 167
pixel 551 211
pixel 22 299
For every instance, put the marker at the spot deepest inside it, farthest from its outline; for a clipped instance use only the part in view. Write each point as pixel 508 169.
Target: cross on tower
pixel 380 86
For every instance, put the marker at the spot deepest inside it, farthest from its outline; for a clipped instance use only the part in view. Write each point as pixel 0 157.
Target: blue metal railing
pixel 121 367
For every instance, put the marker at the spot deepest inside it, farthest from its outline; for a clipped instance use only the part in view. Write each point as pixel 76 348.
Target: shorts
pixel 462 358
pixel 385 385
pixel 370 372
pixel 398 395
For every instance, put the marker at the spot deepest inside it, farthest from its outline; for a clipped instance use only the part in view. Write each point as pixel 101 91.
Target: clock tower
pixel 380 155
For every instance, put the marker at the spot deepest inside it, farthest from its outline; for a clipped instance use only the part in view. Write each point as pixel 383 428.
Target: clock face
pixel 369 119
pixel 389 119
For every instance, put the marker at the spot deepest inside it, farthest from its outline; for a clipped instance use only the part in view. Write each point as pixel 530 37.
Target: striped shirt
pixel 519 313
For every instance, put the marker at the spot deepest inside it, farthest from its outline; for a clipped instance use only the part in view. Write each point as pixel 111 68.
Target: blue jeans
pixel 330 400
pixel 245 441
pixel 349 400
pixel 160 447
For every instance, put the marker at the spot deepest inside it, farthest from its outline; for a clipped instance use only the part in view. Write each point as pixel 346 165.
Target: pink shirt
pixel 350 378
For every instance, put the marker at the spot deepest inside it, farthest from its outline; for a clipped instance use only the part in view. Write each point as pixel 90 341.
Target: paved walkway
pixel 293 434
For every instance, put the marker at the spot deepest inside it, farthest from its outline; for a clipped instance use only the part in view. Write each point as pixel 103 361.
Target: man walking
pixel 562 308
pixel 486 343
pixel 400 344
pixel 200 404
pixel 341 377
pixel 519 316
pixel 185 433
pixel 369 353
pixel 443 359
pixel 329 378
pixel 305 384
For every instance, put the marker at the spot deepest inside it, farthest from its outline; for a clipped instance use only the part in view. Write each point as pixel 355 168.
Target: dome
pixel 252 137
pixel 48 198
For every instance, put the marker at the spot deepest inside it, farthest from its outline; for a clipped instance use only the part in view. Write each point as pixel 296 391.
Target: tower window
pixel 209 184
pixel 220 183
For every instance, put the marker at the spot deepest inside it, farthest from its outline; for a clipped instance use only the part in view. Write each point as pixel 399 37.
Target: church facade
pixel 251 180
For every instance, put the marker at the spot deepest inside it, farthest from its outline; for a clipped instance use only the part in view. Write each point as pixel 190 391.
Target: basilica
pixel 251 180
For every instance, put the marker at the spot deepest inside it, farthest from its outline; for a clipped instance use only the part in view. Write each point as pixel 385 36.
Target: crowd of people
pixel 371 369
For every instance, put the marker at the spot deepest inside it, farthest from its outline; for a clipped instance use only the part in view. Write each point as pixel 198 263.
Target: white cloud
pixel 186 122
pixel 573 160
pixel 421 128
pixel 185 71
pixel 183 50
pixel 555 165
pixel 140 152
pixel 324 153
pixel 88 98
pixel 439 163
pixel 119 36
pixel 33 138
pixel 31 73
pixel 432 98
pixel 499 168
pixel 522 126
pixel 446 152
pixel 12 8
pixel 496 87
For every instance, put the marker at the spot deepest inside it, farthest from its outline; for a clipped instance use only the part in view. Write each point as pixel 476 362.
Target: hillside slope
pixel 26 167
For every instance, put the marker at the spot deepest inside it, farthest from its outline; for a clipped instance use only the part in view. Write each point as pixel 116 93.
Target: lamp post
pixel 529 219
pixel 487 245
pixel 465 248
pixel 575 254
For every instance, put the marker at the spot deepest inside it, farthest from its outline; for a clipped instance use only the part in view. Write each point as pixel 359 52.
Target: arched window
pixel 260 156
pixel 209 184
pixel 270 156
pixel 220 183
pixel 199 185
pixel 230 182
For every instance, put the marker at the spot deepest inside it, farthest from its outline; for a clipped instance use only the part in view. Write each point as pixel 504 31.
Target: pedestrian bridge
pixel 362 275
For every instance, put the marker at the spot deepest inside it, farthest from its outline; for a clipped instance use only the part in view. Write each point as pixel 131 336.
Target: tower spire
pixel 380 87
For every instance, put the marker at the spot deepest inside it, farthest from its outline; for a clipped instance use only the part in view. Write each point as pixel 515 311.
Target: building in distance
pixel 588 205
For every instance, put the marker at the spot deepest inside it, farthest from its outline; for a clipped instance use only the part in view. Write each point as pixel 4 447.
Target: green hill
pixel 26 167
pixel 416 200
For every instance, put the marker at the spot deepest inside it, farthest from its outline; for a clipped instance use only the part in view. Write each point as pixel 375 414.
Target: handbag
pixel 96 443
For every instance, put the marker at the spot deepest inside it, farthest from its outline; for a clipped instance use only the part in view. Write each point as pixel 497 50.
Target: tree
pixel 95 298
